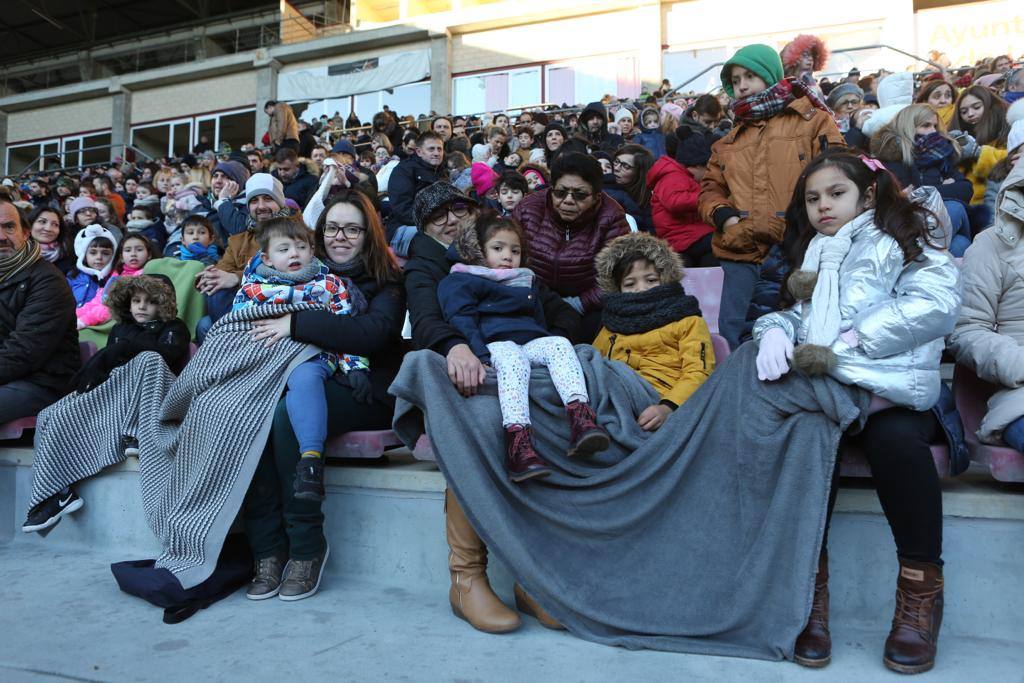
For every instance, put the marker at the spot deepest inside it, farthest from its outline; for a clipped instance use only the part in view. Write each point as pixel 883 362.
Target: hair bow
pixel 874 164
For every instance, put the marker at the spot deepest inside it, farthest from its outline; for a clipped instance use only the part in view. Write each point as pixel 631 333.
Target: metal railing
pixel 33 167
pixel 718 65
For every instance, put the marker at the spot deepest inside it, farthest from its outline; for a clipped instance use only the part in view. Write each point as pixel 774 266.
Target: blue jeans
pixel 738 284
pixel 306 401
pixel 1013 435
pixel 961 227
pixel 401 239
pixel 218 305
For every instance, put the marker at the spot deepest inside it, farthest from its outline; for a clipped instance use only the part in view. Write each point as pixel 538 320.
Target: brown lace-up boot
pixel 913 640
pixel 587 436
pixel 814 644
pixel 471 596
pixel 521 460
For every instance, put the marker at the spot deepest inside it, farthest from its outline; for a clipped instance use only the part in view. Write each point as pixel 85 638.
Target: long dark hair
pixel 65 237
pixel 377 257
pixel 895 215
pixel 642 162
pixel 993 128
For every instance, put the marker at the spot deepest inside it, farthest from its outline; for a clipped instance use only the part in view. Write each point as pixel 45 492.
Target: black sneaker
pixel 309 479
pixel 130 446
pixel 48 513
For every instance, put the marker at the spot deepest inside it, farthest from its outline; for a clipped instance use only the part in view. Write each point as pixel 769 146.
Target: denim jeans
pixel 218 305
pixel 22 398
pixel 401 239
pixel 1013 435
pixel 307 404
pixel 738 284
pixel 961 227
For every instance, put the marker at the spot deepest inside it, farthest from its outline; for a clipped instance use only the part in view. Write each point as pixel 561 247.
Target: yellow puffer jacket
pixel 674 359
pixel 978 174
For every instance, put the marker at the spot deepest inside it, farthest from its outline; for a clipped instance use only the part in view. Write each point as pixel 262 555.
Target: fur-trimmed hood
pixel 668 263
pixel 467 245
pixel 119 297
pixel 803 42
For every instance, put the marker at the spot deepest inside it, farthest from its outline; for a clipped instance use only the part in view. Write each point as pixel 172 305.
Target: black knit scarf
pixel 628 313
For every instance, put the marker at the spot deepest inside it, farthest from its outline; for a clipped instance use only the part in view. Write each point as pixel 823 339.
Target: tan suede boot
pixel 527 605
pixel 471 595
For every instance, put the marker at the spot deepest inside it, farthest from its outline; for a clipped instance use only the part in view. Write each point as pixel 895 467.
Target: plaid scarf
pixel 19 261
pixel 767 103
pixel 934 150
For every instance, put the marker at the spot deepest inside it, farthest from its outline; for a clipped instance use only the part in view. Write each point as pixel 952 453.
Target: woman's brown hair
pixel 993 128
pixel 380 263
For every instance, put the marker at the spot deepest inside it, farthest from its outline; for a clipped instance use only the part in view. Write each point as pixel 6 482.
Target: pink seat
pixel 15 428
pixel 193 349
pixel 706 285
pixel 721 348
pixel 369 444
pixel 971 395
pixel 423 449
pixel 854 464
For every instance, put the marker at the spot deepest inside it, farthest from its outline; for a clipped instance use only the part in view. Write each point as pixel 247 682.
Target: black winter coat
pixel 642 216
pixel 407 179
pixel 38 332
pixel 169 338
pixel 428 264
pixel 300 188
pixel 960 189
pixel 376 333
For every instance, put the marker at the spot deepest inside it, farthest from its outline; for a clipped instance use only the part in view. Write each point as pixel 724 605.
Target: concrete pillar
pixel 121 122
pixel 441 73
pixel 3 143
pixel 266 89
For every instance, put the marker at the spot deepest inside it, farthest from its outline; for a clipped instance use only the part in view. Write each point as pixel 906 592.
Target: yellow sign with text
pixel 969 32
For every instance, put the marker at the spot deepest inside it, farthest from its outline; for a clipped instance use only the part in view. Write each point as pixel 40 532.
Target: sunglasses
pixel 578 195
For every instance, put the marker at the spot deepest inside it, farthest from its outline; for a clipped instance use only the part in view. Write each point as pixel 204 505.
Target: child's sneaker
pixel 47 513
pixel 587 437
pixel 309 479
pixel 521 459
pixel 301 578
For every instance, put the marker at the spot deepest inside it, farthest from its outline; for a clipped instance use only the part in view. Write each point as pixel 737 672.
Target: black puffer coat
pixel 38 332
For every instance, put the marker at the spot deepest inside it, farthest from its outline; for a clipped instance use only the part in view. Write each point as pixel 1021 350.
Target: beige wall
pixel 63 119
pixel 612 32
pixel 185 99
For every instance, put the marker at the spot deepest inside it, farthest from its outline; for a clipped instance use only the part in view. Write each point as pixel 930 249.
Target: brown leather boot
pixel 527 605
pixel 814 644
pixel 521 460
pixel 913 640
pixel 587 436
pixel 471 596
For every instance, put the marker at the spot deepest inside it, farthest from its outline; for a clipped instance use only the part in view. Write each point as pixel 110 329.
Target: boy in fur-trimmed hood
pixel 650 323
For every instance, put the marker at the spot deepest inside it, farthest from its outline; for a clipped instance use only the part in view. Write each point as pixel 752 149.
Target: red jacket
pixel 674 196
pixel 563 255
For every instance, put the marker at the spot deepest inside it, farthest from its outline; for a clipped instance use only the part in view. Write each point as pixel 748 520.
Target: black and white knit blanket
pixel 200 435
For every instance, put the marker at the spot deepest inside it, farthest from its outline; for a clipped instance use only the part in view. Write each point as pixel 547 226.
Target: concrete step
pixel 388 562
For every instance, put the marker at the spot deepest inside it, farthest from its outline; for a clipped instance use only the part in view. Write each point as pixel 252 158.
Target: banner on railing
pixel 388 71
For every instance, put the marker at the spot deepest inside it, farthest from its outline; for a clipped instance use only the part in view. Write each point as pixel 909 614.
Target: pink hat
pixel 483 177
pixel 673 110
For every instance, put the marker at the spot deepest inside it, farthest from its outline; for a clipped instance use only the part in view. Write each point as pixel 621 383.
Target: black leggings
pixel 699 254
pixel 897 444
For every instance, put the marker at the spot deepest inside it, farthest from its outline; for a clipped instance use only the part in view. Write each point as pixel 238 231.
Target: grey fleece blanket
pixel 702 537
pixel 200 435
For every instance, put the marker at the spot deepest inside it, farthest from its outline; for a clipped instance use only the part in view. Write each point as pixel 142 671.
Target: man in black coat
pixel 410 177
pixel 593 127
pixel 299 184
pixel 38 336
pixel 440 210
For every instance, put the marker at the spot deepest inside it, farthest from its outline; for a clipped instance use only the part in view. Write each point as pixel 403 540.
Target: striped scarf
pixel 768 103
pixel 22 259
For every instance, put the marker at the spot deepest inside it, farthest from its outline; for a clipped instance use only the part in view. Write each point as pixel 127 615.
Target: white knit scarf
pixel 825 255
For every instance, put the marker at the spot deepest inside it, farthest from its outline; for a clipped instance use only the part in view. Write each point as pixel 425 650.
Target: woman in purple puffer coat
pixel 566 226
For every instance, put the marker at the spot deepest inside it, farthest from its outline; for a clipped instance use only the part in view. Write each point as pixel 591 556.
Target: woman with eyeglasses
pixel 566 225
pixel 628 184
pixel 350 240
pixel 441 212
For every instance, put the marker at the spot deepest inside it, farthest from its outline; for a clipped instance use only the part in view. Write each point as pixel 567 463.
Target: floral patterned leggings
pixel 512 363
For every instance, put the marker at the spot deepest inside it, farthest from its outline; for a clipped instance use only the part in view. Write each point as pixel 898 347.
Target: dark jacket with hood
pixel 563 253
pixel 166 335
pixel 300 188
pixel 642 216
pixel 485 311
pixel 38 334
pixel 407 179
pixel 602 139
pixel 376 333
pixel 428 265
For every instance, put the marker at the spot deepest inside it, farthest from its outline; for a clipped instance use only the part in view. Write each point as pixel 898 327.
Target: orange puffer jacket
pixel 752 173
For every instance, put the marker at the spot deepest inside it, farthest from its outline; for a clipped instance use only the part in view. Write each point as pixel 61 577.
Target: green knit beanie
pixel 760 59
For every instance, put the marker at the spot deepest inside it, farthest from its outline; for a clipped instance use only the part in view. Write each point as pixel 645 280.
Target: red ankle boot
pixel 521 459
pixel 587 437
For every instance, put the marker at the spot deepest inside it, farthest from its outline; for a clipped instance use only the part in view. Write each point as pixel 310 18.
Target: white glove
pixel 773 355
pixel 316 203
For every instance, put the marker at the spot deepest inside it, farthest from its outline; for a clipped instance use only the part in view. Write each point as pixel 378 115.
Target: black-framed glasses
pixel 350 231
pixel 619 163
pixel 579 195
pixel 457 209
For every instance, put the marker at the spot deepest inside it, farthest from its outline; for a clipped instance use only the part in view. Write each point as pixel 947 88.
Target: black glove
pixel 359 380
